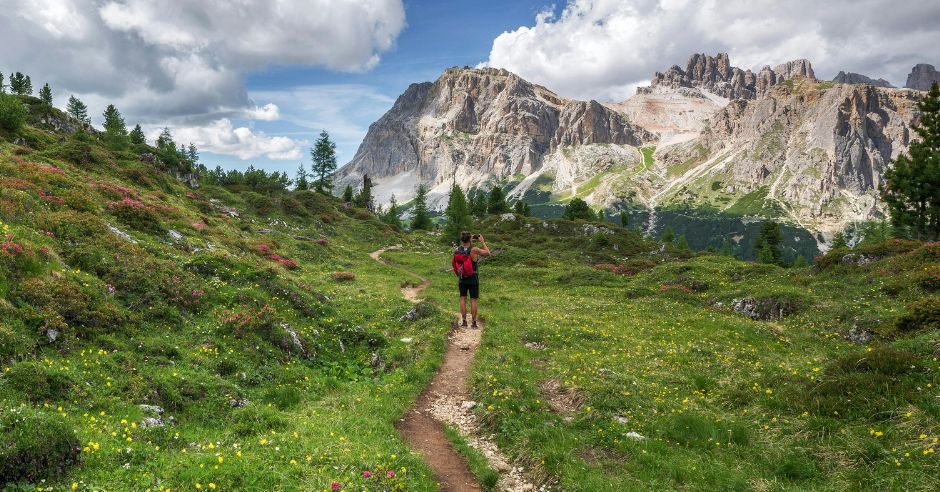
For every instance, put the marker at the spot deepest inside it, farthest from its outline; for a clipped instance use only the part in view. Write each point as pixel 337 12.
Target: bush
pixel 12 342
pixel 252 420
pixel 343 276
pixel 12 113
pixel 35 381
pixel 136 215
pixel 921 315
pixel 36 446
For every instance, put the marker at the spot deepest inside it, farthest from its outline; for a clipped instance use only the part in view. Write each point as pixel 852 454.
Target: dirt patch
pixel 561 400
pixel 413 293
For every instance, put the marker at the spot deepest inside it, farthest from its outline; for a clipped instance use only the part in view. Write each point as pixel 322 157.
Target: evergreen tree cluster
pixel 912 185
pixel 252 178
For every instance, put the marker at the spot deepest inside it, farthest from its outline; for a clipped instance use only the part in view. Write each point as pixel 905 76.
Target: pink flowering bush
pixel 267 252
pixel 136 215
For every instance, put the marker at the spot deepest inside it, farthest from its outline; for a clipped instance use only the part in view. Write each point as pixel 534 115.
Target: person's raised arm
pixel 485 250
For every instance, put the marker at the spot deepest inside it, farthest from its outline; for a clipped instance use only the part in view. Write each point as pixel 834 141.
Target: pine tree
pixel 137 136
pixel 192 154
pixel 526 210
pixel 348 194
pixel 165 140
pixel 519 207
pixel 769 246
pixel 912 185
pixel 624 220
pixel 682 243
pixel 3 88
pixel 725 249
pixel 420 218
pixel 115 132
pixel 323 155
pixel 668 235
pixel 478 204
pixel 78 110
pixel 497 201
pixel 20 84
pixel 300 181
pixel 458 214
pixel 839 241
pixel 45 96
pixel 578 209
pixel 799 262
pixel 364 198
pixel 391 214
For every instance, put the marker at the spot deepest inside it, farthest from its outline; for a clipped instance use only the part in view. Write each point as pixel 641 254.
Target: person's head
pixel 465 237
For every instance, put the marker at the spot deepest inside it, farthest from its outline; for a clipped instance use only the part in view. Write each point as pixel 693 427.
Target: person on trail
pixel 465 266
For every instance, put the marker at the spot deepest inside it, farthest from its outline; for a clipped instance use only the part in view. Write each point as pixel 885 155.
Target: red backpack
pixel 463 263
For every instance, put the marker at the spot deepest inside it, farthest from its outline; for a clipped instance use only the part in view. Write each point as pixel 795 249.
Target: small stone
pixel 468 405
pixel 151 422
pixel 621 419
pixel 406 340
pixel 52 334
pixel 152 409
pixel 175 235
pixel 635 436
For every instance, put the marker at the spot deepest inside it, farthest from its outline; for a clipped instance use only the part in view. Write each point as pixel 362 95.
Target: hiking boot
pixel 463 324
pixel 474 325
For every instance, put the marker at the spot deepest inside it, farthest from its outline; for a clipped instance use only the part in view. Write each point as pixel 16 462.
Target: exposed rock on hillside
pixel 474 125
pixel 716 75
pixel 922 77
pixel 857 78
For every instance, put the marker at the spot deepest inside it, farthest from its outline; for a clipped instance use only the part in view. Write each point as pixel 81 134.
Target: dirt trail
pixel 445 400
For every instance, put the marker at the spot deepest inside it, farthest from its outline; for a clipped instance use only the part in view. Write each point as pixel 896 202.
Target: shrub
pixel 36 445
pixel 343 276
pixel 12 342
pixel 253 419
pixel 12 113
pixel 35 381
pixel 921 315
pixel 136 215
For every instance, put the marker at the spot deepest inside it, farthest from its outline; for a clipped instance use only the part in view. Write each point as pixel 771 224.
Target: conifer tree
pixel 624 219
pixel 682 243
pixel 526 210
pixel 518 207
pixel 912 185
pixel 364 198
pixel 13 113
pixel 192 154
pixel 78 110
pixel 458 214
pixel 300 181
pixel 115 132
pixel 420 218
pixel 45 96
pixel 839 241
pixel 496 204
pixel 478 204
pixel 348 194
pixel 20 84
pixel 323 155
pixel 137 136
pixel 578 209
pixel 769 246
pixel 668 235
pixel 3 88
pixel 391 214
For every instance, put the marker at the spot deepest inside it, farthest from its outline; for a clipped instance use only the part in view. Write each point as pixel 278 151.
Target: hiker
pixel 465 266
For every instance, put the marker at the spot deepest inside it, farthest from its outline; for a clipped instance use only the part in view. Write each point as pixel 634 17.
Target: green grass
pixel 722 401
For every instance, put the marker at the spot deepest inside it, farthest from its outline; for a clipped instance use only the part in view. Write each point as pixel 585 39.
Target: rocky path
pixel 446 401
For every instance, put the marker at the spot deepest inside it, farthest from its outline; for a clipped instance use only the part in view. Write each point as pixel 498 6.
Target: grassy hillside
pixel 607 373
pixel 273 346
pixel 121 287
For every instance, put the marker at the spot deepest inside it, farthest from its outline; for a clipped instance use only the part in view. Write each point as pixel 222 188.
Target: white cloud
pixel 268 112
pixel 602 49
pixel 159 60
pixel 221 137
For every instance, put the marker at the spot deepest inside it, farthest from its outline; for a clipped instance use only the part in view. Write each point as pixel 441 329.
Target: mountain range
pixel 708 149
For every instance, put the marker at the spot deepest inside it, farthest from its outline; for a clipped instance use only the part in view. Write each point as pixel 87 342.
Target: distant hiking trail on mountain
pixel 446 401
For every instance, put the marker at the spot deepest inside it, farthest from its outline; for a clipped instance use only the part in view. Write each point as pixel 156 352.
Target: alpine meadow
pixel 394 245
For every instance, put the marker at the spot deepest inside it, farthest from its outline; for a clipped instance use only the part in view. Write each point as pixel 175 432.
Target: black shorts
pixel 472 289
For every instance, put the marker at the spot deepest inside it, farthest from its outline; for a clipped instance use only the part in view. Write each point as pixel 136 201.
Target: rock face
pixel 476 125
pixel 717 76
pixel 922 77
pixel 857 78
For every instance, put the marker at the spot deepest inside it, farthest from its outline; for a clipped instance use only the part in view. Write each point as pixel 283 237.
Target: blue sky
pixel 439 34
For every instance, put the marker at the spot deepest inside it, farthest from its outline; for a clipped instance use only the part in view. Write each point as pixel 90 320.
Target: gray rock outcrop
pixel 922 76
pixel 716 75
pixel 857 78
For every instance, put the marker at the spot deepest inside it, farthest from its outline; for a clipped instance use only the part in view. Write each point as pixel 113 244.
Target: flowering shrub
pixel 249 320
pixel 136 214
pixel 343 276
pixel 50 198
pixel 266 251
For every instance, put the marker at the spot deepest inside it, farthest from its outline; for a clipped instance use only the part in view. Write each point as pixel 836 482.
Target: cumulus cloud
pixel 222 137
pixel 186 59
pixel 603 49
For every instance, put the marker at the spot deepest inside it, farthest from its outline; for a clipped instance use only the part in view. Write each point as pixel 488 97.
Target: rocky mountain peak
pixel 922 76
pixel 857 78
pixel 716 75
